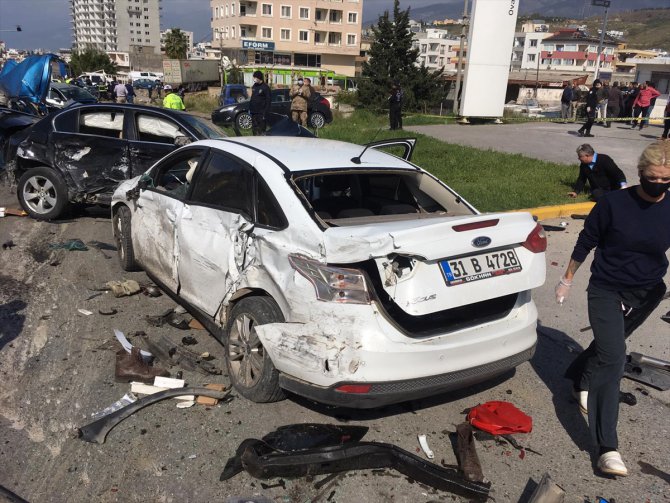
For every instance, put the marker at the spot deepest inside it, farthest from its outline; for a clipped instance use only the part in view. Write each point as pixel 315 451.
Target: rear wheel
pixel 317 120
pixel 243 121
pixel 124 242
pixel 42 193
pixel 250 368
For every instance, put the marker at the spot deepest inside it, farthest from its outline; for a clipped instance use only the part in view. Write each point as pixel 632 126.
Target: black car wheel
pixel 317 120
pixel 243 121
pixel 250 368
pixel 42 193
pixel 124 241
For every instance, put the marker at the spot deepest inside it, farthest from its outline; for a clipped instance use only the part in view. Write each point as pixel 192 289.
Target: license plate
pixel 477 267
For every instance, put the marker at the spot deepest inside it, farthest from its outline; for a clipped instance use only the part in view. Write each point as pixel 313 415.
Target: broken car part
pixel 423 442
pixel 173 354
pixel 125 343
pixel 466 454
pixel 97 431
pixel 126 399
pixel 262 462
pixel 547 491
pixel 648 370
pixel 132 367
pixel 109 312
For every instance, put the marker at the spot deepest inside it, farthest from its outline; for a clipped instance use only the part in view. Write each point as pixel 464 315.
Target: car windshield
pixel 204 130
pixel 347 198
pixel 76 93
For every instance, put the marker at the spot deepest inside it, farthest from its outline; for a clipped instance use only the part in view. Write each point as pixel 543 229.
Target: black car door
pixel 281 103
pixel 151 137
pixel 87 145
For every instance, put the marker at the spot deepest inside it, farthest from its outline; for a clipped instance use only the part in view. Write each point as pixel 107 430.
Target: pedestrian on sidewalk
pixel 629 232
pixel 603 94
pixel 614 103
pixel 591 104
pixel 566 102
pixel 642 103
pixel 652 102
pixel 629 98
pixel 600 171
pixel 120 92
pixel 666 121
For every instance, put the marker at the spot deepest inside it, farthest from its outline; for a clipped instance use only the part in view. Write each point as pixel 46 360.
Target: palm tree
pixel 176 44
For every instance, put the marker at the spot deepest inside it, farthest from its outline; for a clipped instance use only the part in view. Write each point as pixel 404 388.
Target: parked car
pixel 81 153
pixel 60 95
pixel 348 276
pixel 144 84
pixel 237 115
pixel 155 76
pixel 233 93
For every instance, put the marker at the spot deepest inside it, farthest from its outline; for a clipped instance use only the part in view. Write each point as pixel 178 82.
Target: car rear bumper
pixel 386 393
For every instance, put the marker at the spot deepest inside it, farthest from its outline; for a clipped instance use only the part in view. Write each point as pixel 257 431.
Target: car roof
pixel 129 106
pixel 307 154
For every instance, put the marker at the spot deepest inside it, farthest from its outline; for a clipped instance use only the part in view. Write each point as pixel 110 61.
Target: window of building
pixel 267 9
pixel 232 32
pixel 263 58
pixel 216 13
pixel 533 42
pixel 351 39
pixel 226 10
pixel 568 62
pixel 282 59
pixel 286 11
pixel 530 58
pixel 317 38
pixel 335 16
pixel 312 60
pixel 352 17
pixel 304 13
pixel 266 32
pixel 243 31
pixel 232 9
pixel 303 36
pixel 285 34
pixel 320 14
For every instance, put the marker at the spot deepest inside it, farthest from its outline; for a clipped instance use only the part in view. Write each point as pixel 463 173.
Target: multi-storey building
pixel 301 33
pixel 573 50
pixel 116 25
pixel 437 49
pixel 187 34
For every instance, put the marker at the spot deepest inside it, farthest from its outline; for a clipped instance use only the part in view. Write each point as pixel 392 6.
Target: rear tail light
pixel 354 388
pixel 333 284
pixel 325 102
pixel 536 240
pixel 476 225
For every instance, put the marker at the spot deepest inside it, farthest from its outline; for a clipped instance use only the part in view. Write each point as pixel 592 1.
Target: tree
pixel 91 60
pixel 176 44
pixel 393 60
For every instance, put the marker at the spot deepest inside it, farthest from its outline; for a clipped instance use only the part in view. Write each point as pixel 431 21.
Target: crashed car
pixel 344 274
pixel 81 153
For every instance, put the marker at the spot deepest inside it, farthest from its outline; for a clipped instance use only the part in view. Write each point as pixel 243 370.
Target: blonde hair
pixel 656 154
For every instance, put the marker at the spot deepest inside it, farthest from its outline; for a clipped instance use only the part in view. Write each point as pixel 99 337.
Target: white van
pixel 155 76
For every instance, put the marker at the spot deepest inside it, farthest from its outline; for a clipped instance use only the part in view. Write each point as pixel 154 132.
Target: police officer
pixel 259 105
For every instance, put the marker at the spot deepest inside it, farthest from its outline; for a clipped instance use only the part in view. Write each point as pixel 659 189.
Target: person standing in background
pixel 566 102
pixel 395 107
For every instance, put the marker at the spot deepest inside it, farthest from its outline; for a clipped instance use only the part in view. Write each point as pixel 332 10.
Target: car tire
pixel 250 368
pixel 317 120
pixel 42 193
pixel 243 121
pixel 124 240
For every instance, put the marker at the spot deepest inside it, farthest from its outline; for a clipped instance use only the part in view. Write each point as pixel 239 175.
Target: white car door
pixel 156 215
pixel 214 231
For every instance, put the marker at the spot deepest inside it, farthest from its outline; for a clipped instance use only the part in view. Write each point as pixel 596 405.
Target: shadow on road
pixel 555 351
pixel 11 321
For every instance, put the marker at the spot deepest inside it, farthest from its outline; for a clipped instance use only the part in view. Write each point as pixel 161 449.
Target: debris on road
pixel 4 211
pixel 466 453
pixel 171 317
pixel 423 442
pixel 70 245
pixel 204 400
pixel 547 491
pixel 8 245
pixel 132 367
pixel 96 432
pixel 499 418
pixel 126 399
pixel 85 312
pixel 152 291
pixel 189 340
pixel 648 370
pixel 196 325
pixel 109 312
pixel 166 351
pixel 124 288
pixel 125 343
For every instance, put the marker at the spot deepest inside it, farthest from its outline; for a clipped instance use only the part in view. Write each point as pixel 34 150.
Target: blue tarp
pixel 30 79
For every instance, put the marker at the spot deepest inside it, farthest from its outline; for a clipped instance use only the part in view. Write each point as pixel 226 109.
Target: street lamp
pixel 537 72
pixel 606 4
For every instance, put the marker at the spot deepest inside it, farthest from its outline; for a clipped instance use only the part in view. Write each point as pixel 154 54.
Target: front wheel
pixel 244 121
pixel 42 193
pixel 317 120
pixel 250 368
pixel 124 241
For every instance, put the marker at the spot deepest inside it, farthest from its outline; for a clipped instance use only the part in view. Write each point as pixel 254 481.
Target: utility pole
pixel 606 4
pixel 459 68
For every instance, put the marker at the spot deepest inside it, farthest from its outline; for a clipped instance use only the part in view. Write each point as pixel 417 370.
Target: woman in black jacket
pixel 591 105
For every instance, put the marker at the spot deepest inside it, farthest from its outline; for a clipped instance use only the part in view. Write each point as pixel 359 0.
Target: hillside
pixel 643 29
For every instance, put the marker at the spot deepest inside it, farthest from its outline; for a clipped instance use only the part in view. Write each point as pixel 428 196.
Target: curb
pixel 562 210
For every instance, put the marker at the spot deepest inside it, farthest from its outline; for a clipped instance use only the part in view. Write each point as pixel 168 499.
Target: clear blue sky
pixel 46 23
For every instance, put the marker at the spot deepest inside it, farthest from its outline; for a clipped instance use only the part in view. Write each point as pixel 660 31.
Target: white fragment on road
pixel 423 442
pixel 85 312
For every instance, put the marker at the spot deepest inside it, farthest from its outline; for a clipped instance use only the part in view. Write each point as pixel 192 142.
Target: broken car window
pixel 175 176
pixel 101 123
pixel 268 213
pixel 225 183
pixel 157 129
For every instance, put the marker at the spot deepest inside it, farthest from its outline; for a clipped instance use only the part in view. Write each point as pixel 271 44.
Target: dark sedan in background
pixel 238 117
pixel 81 153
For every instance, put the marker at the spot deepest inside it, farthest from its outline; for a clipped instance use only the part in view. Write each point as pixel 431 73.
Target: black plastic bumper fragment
pixel 261 461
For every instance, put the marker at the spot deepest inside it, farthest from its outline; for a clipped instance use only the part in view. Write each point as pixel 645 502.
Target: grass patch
pixel 200 102
pixel 492 181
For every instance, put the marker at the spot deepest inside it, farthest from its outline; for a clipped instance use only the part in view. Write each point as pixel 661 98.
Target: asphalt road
pixel 551 141
pixel 57 367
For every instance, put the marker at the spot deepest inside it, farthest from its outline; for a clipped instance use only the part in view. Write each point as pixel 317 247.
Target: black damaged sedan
pixel 81 153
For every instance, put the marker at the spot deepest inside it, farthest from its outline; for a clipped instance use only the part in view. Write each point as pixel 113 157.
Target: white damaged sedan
pixel 344 274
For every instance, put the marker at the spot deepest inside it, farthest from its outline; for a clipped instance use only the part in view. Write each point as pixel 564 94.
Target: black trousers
pixel 258 124
pixel 599 367
pixel 395 116
pixel 590 119
pixel 666 127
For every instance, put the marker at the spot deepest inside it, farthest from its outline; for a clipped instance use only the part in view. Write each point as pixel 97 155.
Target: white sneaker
pixel 612 464
pixel 582 398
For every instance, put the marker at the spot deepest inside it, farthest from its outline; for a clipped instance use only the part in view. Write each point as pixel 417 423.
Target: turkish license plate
pixel 477 267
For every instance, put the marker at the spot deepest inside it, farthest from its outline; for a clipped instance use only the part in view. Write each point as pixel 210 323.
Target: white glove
pixel 563 289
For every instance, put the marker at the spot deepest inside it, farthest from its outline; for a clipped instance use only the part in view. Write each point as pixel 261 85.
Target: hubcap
pixel 318 120
pixel 245 352
pixel 39 194
pixel 245 121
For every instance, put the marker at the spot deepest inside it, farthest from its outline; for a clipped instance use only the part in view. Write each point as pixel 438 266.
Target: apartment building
pixel 437 49
pixel 302 33
pixel 573 50
pixel 116 25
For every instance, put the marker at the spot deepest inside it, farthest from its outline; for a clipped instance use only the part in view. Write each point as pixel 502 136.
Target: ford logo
pixel 481 241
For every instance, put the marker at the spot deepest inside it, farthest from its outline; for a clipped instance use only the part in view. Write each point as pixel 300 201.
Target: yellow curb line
pixel 562 210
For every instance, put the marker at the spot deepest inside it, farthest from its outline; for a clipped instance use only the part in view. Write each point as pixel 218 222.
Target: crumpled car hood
pixel 31 78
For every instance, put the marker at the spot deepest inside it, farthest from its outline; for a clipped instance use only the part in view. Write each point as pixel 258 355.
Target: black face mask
pixel 653 189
